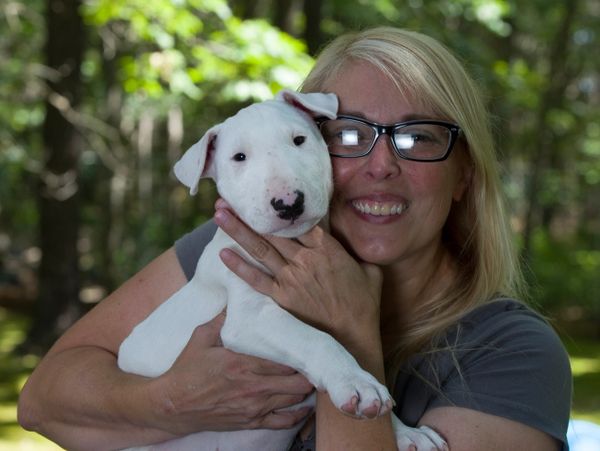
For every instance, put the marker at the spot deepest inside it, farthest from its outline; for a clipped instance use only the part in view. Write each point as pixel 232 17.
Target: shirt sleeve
pixel 190 246
pixel 512 365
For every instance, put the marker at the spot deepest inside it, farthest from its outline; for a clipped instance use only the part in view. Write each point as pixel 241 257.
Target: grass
pixel 585 364
pixel 14 370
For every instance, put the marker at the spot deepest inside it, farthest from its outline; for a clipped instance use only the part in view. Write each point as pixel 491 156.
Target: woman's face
pixel 422 192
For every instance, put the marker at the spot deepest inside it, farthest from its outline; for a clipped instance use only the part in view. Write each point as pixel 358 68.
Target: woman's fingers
pixel 257 246
pixel 313 238
pixel 284 419
pixel 272 251
pixel 256 278
pixel 209 334
pixel 295 384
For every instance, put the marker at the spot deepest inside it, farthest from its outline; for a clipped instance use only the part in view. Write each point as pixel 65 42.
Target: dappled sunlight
pixel 581 365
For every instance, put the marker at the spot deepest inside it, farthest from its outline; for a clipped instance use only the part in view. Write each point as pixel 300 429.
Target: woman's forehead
pixel 378 100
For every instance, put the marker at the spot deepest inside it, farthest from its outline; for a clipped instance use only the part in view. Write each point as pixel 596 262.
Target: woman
pixel 416 279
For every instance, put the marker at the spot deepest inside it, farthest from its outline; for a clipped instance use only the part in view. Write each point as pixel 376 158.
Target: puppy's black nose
pixel 289 212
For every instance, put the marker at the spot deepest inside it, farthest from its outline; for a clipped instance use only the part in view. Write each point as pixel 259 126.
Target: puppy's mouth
pixel 379 208
pixel 283 228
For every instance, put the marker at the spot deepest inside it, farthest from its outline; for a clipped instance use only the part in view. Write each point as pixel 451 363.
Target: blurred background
pixel 98 99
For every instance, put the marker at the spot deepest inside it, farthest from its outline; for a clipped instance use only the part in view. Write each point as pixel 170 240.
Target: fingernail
pixel 221 217
pixel 225 255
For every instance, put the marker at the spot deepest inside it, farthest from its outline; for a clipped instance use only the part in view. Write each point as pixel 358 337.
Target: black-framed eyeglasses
pixel 418 140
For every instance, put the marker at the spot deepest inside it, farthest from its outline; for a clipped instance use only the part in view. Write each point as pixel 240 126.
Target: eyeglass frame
pixel 389 129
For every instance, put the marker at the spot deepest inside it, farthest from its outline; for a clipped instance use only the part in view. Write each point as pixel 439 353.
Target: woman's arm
pixel 79 398
pixel 319 282
pixel 339 432
pixel 471 430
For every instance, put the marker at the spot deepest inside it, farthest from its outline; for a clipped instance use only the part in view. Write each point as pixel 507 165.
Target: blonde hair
pixel 477 230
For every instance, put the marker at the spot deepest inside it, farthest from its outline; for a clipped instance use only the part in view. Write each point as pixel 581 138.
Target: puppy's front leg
pixel 155 343
pixel 256 325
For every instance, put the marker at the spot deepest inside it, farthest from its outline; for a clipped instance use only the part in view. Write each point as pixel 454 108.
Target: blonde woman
pixel 418 279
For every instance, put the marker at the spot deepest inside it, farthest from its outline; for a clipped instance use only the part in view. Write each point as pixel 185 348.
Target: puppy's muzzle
pixel 289 212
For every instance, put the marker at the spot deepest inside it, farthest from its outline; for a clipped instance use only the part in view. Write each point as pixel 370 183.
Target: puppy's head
pixel 269 161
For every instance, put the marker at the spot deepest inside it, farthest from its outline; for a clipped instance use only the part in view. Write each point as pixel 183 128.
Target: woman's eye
pixel 422 137
pixel 299 140
pixel 239 157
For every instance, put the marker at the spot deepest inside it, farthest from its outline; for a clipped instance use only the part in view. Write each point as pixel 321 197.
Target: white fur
pixel 274 173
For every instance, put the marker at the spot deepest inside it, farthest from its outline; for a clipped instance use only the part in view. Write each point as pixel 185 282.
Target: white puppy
pixel 271 165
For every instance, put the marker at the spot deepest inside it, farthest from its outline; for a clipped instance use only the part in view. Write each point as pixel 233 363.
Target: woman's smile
pixel 379 208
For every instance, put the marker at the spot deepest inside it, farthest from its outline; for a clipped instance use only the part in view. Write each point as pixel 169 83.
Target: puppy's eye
pixel 239 157
pixel 299 140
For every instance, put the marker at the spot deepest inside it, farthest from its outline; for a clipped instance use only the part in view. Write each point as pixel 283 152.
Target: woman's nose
pixel 382 161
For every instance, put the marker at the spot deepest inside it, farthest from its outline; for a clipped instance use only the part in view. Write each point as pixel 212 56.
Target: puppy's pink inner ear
pixel 298 105
pixel 210 150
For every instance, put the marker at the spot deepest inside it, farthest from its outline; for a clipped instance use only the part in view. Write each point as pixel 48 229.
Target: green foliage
pixel 158 73
pixel 21 115
pixel 589 163
pixel 144 61
pixel 566 273
pixel 185 48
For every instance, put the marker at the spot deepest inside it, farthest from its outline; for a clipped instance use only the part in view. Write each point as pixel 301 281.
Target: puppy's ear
pixel 196 162
pixel 316 104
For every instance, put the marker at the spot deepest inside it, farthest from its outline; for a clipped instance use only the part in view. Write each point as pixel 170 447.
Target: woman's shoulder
pixel 190 246
pixel 501 308
pixel 511 363
pixel 509 323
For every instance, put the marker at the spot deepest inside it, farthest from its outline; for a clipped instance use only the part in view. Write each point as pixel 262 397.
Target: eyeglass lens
pixel 346 137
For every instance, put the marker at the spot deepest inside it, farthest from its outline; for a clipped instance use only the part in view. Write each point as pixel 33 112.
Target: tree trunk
pixel 282 15
pixel 312 30
pixel 245 9
pixel 58 301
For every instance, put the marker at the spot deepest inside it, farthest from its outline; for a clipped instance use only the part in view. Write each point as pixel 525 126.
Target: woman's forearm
pixel 339 432
pixel 85 402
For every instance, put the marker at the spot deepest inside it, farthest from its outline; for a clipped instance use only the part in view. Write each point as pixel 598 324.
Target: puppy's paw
pixel 422 438
pixel 360 395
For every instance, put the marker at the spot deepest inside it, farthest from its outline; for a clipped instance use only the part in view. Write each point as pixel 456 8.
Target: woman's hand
pixel 212 388
pixel 313 277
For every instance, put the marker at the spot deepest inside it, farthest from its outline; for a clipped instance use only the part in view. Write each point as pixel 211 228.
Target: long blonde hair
pixel 477 230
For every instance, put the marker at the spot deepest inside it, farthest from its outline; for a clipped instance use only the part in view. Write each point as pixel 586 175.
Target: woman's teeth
pixel 379 208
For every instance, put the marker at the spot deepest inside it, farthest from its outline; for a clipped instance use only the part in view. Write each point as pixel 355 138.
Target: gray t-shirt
pixel 502 359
